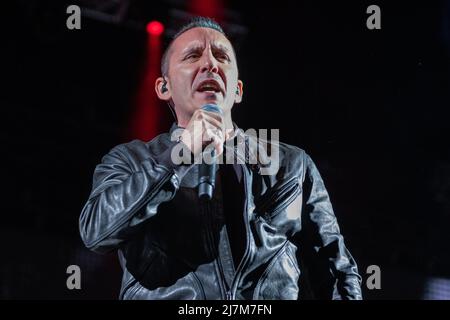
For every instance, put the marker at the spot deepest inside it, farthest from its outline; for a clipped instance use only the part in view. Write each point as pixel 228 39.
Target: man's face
pixel 202 70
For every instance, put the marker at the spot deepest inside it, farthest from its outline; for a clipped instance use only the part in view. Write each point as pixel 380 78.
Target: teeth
pixel 209 87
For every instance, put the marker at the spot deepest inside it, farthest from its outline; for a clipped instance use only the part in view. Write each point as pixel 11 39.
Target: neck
pixel 228 123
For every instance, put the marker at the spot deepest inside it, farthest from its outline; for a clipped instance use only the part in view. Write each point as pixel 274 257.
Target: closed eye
pixel 191 56
pixel 221 54
pixel 193 53
pixel 222 57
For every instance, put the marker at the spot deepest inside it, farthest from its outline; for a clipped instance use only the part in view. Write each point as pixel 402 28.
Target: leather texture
pixel 172 246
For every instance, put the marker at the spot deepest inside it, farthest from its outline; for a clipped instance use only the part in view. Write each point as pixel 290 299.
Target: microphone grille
pixel 212 108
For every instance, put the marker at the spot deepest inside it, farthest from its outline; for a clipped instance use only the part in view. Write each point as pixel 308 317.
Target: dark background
pixel 370 106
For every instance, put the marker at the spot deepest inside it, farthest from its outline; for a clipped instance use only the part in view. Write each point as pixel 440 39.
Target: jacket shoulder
pixel 292 158
pixel 138 150
pixel 292 151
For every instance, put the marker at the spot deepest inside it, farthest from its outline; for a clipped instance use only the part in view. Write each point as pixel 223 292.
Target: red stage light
pixel 155 28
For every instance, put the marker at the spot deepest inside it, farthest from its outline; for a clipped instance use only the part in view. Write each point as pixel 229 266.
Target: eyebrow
pixel 220 47
pixel 193 47
pixel 198 46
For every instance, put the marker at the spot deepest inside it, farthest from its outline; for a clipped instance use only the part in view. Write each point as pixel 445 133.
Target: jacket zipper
pixel 275 197
pixel 211 244
pixel 268 269
pixel 127 287
pixel 285 204
pixel 275 193
pixel 231 295
pixel 199 285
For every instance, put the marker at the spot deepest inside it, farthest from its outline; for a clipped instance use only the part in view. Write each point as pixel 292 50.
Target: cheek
pixel 232 87
pixel 232 80
pixel 182 78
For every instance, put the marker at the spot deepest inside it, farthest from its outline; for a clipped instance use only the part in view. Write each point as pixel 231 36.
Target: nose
pixel 209 63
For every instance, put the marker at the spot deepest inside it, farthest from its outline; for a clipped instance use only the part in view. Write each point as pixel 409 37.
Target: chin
pixel 211 101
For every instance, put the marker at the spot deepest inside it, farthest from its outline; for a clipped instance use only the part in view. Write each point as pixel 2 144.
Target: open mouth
pixel 210 86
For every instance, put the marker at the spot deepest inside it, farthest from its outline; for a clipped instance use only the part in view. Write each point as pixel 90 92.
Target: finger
pixel 213 133
pixel 213 122
pixel 212 130
pixel 217 141
pixel 228 133
pixel 214 115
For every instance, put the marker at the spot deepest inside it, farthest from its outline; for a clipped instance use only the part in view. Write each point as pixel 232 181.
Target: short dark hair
pixel 196 22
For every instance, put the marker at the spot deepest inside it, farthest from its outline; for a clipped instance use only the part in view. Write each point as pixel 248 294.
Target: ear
pixel 239 92
pixel 163 95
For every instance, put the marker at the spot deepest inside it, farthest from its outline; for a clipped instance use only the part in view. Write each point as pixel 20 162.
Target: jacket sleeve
pixel 124 195
pixel 332 271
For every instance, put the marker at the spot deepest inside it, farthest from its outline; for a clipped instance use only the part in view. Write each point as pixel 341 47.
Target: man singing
pixel 262 235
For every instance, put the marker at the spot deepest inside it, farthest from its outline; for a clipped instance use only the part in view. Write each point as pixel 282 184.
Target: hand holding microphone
pixel 205 127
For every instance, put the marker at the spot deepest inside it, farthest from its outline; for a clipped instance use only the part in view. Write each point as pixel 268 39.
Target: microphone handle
pixel 207 172
pixel 207 178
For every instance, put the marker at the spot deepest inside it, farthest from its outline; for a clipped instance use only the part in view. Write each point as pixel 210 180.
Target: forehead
pixel 200 37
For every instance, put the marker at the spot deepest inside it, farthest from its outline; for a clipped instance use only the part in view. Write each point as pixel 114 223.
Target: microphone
pixel 207 172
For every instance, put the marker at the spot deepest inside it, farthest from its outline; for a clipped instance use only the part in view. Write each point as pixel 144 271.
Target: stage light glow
pixel 155 28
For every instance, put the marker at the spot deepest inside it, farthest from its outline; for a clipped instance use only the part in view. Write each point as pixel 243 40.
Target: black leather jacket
pixel 171 246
